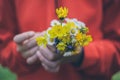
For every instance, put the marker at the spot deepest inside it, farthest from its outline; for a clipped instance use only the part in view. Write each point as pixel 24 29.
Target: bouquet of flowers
pixel 66 35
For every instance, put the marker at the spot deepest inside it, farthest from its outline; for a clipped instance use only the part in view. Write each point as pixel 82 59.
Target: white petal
pixel 47 31
pixel 49 42
pixel 67 54
pixel 54 22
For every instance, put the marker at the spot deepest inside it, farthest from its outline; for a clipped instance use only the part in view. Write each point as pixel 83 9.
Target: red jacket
pixel 101 57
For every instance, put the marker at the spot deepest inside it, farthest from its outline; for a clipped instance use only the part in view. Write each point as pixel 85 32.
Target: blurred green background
pixel 6 74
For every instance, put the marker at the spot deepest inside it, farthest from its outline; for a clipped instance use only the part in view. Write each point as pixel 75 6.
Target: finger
pixel 32 59
pixel 30 52
pixel 21 48
pixel 57 54
pixel 32 42
pixel 47 53
pixel 47 62
pixel 78 49
pixel 23 36
pixel 29 43
pixel 52 48
pixel 50 69
pixel 41 33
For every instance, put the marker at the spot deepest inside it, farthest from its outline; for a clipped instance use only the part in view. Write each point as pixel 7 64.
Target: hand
pixel 26 45
pixel 51 61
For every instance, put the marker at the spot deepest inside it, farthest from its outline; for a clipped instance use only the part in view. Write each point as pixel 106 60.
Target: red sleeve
pixel 8 55
pixel 102 56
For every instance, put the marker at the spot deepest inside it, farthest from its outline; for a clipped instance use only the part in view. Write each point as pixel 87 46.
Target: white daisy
pixel 54 22
pixel 79 24
pixel 73 31
pixel 50 42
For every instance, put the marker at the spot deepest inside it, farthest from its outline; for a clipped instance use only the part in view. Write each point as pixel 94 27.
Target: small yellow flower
pixel 78 36
pixel 66 39
pixel 71 25
pixel 86 39
pixel 89 38
pixel 61 46
pixel 62 12
pixel 57 31
pixel 41 40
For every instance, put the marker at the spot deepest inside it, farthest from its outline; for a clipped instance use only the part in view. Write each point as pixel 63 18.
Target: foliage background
pixel 6 74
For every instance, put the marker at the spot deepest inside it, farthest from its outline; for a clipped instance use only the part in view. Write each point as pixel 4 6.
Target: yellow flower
pixel 86 39
pixel 41 40
pixel 71 25
pixel 89 38
pixel 68 27
pixel 61 46
pixel 57 31
pixel 62 12
pixel 52 33
pixel 78 36
pixel 66 39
